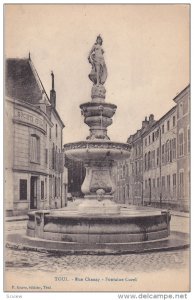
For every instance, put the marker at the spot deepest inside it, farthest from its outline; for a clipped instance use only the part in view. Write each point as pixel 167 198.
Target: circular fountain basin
pixel 97 150
pixel 126 227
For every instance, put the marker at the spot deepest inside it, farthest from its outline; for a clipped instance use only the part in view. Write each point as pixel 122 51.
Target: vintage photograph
pixel 96 148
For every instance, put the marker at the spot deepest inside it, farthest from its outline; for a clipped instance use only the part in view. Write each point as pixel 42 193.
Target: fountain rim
pixel 94 104
pixel 97 142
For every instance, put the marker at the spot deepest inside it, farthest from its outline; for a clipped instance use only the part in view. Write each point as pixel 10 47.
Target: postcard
pixel 97 148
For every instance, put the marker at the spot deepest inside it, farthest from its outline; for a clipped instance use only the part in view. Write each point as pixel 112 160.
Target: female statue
pixel 98 73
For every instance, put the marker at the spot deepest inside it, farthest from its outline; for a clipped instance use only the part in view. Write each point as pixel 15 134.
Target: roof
pixel 175 99
pixel 22 81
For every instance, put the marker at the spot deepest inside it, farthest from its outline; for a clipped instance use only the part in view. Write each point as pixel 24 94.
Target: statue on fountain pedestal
pixel 98 73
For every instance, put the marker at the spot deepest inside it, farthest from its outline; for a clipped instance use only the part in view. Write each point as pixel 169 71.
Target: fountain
pixel 98 223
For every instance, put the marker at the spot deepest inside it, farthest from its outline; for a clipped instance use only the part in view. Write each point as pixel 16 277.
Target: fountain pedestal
pixel 98 188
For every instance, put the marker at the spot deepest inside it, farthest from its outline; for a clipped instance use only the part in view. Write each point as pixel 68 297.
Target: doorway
pixel 33 192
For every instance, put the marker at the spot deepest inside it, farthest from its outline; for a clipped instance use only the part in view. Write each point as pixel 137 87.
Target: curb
pixel 176 241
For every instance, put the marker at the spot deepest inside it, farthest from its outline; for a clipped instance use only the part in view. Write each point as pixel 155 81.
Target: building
pixel 159 172
pixel 182 101
pixel 160 165
pixel 129 181
pixel 121 177
pixel 34 170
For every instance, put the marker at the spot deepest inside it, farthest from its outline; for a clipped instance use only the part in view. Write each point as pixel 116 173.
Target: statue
pixel 98 73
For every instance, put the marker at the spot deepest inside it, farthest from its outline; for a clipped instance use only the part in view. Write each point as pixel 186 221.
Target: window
pixel 154 183
pixel 181 144
pixel 158 182
pixel 153 137
pixel 123 193
pixel 174 184
pixel 153 159
pixel 171 142
pixel 46 156
pixel 136 168
pixel 156 134
pixel 53 156
pixel 149 160
pixel 45 187
pixel 58 187
pixel 42 189
pixel 127 169
pixel 145 161
pixel 188 140
pixel 180 110
pixel 168 151
pixel 146 184
pixel 163 181
pixel 163 128
pixel 34 148
pixel 124 171
pixel 168 182
pixel 174 148
pixel 50 133
pixel 163 154
pixel 127 187
pixel 158 157
pixel 181 184
pixel 55 183
pixel 56 130
pixel 173 121
pixel 149 139
pixel 139 149
pixel 140 166
pixel 146 142
pixel 23 189
pixel 168 125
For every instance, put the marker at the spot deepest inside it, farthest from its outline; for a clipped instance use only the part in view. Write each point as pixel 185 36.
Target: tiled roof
pixel 20 81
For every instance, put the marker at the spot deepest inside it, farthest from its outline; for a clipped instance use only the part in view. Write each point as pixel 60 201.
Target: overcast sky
pixel 146 53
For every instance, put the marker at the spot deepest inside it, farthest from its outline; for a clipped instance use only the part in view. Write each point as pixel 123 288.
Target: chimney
pixel 151 119
pixel 145 123
pixel 52 92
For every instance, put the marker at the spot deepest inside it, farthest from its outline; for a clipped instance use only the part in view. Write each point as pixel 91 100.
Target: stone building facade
pixel 182 101
pixel 34 170
pixel 160 166
pixel 159 172
pixel 129 173
pixel 121 177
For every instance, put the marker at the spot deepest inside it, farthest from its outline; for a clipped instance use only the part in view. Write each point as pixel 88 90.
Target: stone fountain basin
pixel 127 227
pixel 97 150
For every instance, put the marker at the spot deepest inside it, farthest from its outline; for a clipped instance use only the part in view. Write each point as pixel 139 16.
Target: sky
pixel 146 53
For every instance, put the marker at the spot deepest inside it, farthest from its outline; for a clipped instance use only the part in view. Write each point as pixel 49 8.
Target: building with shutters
pixel 158 171
pixel 129 177
pixel 35 177
pixel 160 162
pixel 182 101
